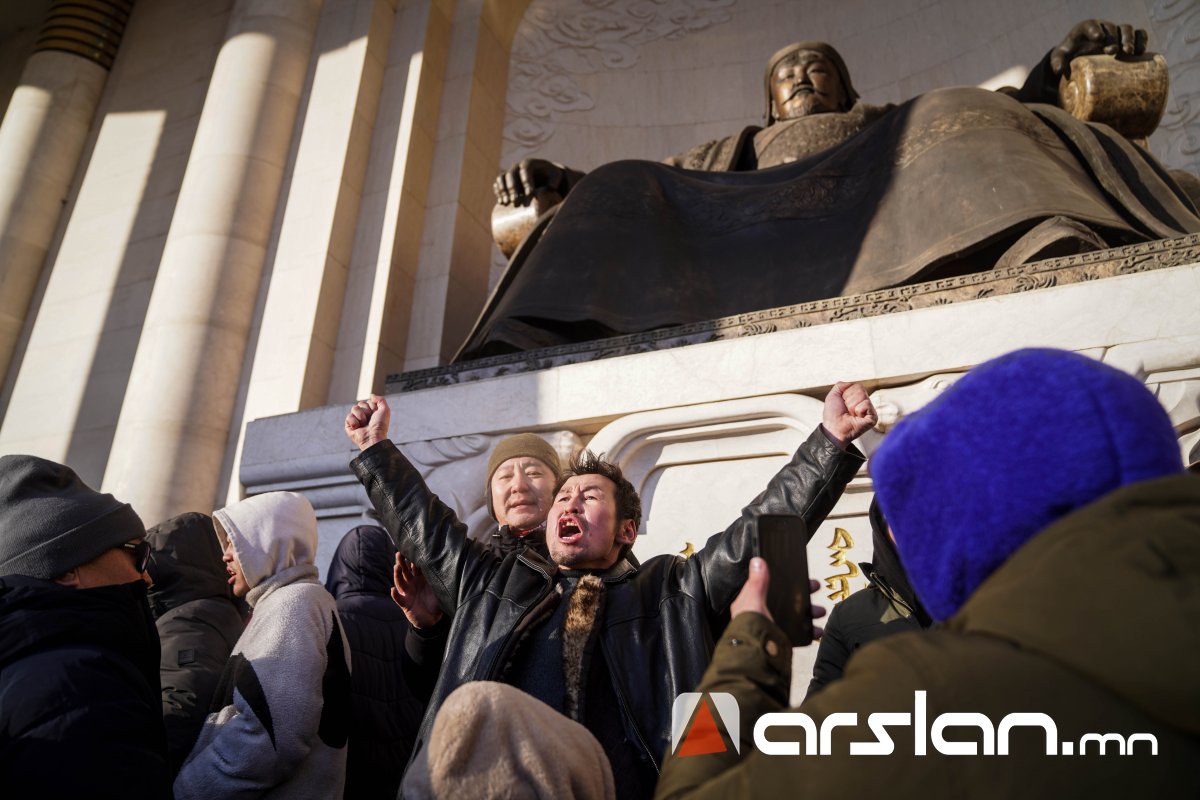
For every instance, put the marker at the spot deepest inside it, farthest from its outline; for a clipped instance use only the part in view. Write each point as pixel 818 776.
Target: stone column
pixel 170 440
pixel 451 277
pixel 41 140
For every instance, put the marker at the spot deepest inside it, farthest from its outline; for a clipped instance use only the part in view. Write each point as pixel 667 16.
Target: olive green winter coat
pixel 1095 622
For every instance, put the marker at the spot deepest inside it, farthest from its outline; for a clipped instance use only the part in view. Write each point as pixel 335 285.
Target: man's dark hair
pixel 629 505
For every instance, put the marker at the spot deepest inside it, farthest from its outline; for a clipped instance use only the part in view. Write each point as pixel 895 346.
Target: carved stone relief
pixel 1170 369
pixel 1190 444
pixel 897 401
pixel 681 462
pixel 560 40
pixel 1177 36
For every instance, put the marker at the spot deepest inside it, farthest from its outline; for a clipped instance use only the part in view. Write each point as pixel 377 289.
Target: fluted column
pixel 41 140
pixel 170 440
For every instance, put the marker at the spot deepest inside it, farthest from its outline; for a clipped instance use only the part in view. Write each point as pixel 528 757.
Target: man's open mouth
pixel 568 530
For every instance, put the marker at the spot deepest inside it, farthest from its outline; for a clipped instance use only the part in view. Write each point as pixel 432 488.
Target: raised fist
pixel 368 420
pixel 848 412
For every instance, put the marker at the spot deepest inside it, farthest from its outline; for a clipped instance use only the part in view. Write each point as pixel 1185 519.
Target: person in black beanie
pixel 79 654
pixel 887 606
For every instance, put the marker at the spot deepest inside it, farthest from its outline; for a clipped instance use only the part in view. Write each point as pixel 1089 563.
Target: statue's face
pixel 805 82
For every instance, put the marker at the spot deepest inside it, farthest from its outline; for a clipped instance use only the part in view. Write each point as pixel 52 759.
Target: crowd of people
pixel 1037 553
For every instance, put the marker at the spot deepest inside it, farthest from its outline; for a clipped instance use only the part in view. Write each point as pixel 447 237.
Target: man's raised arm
pixel 808 487
pixel 424 528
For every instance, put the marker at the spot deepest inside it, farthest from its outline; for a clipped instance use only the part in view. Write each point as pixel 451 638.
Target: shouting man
pixel 604 639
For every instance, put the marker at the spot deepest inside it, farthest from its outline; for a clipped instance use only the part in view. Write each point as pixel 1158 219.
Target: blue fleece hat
pixel 1015 444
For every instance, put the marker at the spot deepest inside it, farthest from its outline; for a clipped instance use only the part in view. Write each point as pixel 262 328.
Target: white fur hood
pixel 271 533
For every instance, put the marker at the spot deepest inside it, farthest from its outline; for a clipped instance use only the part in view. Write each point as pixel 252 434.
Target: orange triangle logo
pixel 703 736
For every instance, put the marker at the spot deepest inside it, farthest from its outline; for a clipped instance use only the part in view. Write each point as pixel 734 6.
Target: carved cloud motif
pixel 557 41
pixel 1181 21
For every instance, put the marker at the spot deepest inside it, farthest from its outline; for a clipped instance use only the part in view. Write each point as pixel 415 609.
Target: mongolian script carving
pixel 839 584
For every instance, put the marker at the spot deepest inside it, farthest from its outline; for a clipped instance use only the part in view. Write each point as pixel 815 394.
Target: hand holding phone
pixel 782 541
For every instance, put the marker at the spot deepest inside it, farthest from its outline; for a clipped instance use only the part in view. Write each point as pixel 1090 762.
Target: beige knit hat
pixel 523 444
pixel 493 740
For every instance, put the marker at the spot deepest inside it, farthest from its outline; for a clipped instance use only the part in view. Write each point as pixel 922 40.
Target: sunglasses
pixel 141 553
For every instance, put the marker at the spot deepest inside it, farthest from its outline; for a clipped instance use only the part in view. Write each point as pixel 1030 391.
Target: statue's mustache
pixel 805 88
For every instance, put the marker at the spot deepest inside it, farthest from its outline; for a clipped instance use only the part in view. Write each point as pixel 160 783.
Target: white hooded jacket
pixel 284 696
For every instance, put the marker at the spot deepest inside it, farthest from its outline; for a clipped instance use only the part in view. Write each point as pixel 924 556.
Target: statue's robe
pixel 941 185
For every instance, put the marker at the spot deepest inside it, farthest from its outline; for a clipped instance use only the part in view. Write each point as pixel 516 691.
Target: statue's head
pixel 807 78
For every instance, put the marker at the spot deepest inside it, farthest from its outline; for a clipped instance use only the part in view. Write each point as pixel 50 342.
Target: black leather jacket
pixel 659 616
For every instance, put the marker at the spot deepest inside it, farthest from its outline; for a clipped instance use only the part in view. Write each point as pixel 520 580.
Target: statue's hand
pixel 1094 36
pixel 518 185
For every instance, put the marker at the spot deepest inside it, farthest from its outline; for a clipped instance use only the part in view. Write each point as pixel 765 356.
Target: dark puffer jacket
pixel 386 709
pixel 79 700
pixel 885 607
pixel 198 623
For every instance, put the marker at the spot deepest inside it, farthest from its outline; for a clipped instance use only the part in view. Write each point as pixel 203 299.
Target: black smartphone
pixel 783 542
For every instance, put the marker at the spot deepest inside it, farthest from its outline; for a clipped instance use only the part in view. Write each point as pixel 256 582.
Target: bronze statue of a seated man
pixel 831 197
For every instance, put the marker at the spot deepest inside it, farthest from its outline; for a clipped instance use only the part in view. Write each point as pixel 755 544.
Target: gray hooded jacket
pixel 281 710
